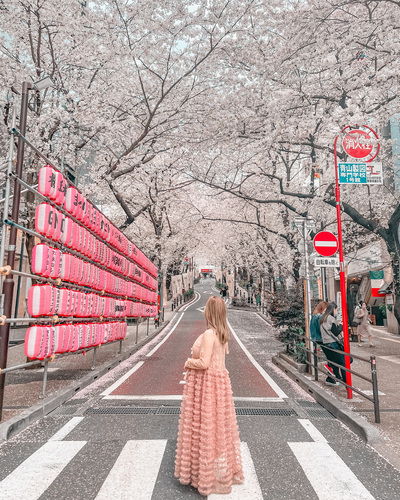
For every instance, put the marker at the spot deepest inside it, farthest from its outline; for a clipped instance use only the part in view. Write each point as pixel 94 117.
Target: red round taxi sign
pixel 326 243
pixel 358 143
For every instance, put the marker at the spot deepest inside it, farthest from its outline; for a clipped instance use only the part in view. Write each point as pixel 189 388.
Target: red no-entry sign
pixel 326 243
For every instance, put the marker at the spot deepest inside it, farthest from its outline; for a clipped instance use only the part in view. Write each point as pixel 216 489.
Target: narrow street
pixel 117 438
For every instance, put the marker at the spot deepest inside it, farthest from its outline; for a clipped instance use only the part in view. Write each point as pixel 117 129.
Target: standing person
pixel 364 328
pixel 223 291
pixel 330 334
pixel 208 453
pixel 315 335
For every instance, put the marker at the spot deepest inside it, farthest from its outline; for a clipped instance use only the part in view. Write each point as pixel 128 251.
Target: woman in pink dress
pixel 208 453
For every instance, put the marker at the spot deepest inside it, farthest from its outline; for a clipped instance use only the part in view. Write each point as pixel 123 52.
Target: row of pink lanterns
pixel 53 185
pixel 43 341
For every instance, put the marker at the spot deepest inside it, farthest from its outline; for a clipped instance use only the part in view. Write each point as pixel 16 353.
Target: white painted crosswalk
pixel 134 472
pixel 38 471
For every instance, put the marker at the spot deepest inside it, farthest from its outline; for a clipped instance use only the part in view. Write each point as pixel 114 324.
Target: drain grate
pixel 318 413
pixel 278 412
pixel 168 410
pixel 173 410
pixel 304 403
pixel 120 410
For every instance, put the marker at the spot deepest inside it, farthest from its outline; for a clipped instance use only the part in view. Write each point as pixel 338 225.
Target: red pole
pixel 342 274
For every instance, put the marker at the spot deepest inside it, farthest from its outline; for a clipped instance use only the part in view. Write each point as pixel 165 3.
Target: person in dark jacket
pixel 315 329
pixel 330 334
pixel 315 334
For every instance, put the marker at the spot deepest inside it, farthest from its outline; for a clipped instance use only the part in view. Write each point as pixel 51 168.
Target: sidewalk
pixel 23 389
pixel 387 353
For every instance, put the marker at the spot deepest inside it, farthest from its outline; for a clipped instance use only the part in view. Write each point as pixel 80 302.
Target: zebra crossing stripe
pixel 66 429
pixel 32 478
pixel 328 474
pixel 250 488
pixel 135 471
pixel 312 430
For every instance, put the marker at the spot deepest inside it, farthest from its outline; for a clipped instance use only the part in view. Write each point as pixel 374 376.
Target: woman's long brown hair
pixel 215 313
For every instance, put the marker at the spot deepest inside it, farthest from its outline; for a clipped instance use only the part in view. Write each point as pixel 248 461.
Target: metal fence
pixel 312 351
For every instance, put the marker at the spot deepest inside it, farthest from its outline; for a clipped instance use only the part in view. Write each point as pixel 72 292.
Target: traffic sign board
pixel 325 243
pixel 326 262
pixel 358 143
pixel 360 173
pixel 352 173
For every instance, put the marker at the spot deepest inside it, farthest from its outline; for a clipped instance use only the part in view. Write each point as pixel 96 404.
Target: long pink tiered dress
pixel 208 452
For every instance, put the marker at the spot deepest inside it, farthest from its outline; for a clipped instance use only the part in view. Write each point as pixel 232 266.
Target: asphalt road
pixel 116 439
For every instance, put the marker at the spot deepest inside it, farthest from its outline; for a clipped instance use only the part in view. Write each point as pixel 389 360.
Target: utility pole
pixel 305 225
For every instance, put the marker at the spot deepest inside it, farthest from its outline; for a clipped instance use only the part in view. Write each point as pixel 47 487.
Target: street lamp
pixel 43 83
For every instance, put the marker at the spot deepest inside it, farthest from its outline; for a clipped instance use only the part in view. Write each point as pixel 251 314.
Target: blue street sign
pixel 352 173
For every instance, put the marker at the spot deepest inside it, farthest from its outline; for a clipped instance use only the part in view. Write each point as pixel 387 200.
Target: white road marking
pixel 165 338
pixel 116 384
pixel 392 359
pixel 135 471
pixel 390 340
pixel 250 488
pixel 32 478
pixel 328 474
pixel 192 303
pixel 370 392
pixel 182 381
pixel 146 398
pixel 312 430
pixel 259 400
pixel 68 427
pixel 179 398
pixel 263 373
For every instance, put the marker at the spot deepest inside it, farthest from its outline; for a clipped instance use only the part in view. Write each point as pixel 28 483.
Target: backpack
pixel 356 319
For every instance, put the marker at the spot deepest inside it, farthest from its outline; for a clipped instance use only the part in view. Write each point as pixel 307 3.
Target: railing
pixel 316 357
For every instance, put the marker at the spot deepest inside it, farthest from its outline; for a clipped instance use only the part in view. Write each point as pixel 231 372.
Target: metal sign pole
pixel 341 273
pixel 8 286
pixel 7 201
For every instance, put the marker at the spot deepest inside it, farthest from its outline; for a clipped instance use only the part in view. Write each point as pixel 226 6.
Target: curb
pixel 366 431
pixel 265 318
pixel 16 424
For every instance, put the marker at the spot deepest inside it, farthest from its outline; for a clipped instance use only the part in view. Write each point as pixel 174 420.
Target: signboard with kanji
pixel 374 173
pixel 326 262
pixel 352 173
pixel 360 173
pixel 358 144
